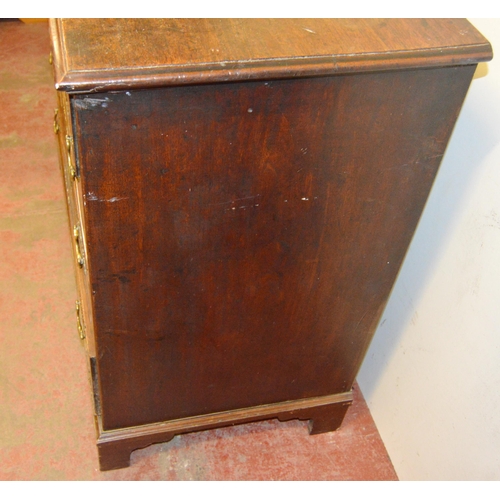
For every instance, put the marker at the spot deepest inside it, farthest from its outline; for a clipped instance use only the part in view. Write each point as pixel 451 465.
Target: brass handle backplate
pixel 79 255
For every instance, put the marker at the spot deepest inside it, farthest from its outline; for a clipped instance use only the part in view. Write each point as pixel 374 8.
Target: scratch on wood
pixel 237 199
pixel 93 197
pixel 91 102
pixel 147 335
pixel 359 322
pixel 316 260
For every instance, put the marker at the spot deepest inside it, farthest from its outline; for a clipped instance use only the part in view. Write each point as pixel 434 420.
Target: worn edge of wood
pixel 219 419
pixel 267 69
pixel 83 81
pixel 59 57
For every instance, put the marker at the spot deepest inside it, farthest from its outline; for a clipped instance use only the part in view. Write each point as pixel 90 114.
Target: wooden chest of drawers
pixel 241 195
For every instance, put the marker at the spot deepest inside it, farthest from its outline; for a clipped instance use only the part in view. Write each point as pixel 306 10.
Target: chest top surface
pixel 108 54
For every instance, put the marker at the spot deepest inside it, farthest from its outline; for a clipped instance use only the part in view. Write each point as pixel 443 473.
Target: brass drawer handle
pixel 56 124
pixel 69 147
pixel 79 324
pixel 76 235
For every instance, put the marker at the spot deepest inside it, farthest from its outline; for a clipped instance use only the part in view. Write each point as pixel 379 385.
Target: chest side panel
pixel 243 238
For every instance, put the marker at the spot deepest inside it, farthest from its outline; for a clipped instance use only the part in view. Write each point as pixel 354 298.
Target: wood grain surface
pixel 93 55
pixel 243 238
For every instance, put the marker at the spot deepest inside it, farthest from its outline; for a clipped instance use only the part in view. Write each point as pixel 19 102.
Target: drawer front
pixel 63 129
pixel 243 238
